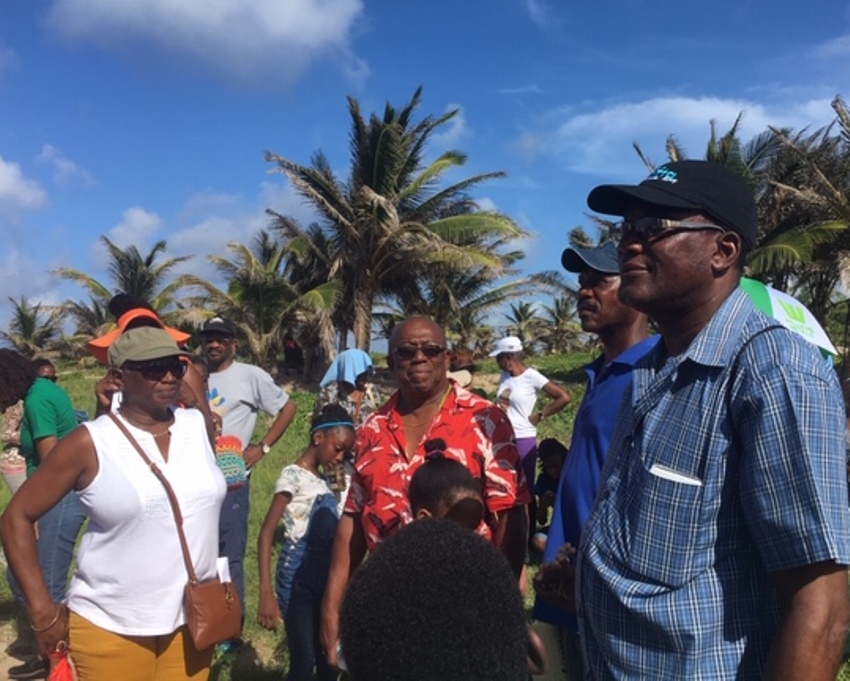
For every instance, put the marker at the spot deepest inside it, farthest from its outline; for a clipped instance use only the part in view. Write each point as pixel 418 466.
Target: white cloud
pixel 18 192
pixel 65 171
pixel 16 279
pixel 210 221
pixel 243 38
pixel 136 228
pixel 600 142
pixel 834 48
pixel 530 89
pixel 451 134
pixel 539 11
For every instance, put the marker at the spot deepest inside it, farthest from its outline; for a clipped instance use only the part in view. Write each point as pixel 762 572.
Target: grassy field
pixel 264 655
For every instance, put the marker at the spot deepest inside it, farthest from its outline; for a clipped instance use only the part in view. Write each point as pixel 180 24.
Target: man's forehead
pixel 419 330
pixel 641 210
pixel 591 275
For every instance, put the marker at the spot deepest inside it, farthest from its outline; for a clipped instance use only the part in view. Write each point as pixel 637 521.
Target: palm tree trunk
pixel 364 298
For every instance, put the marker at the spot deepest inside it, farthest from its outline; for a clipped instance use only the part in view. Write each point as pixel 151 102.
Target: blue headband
pixel 332 424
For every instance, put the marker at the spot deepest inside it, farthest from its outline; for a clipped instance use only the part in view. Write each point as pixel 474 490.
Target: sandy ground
pixel 7 636
pixel 12 651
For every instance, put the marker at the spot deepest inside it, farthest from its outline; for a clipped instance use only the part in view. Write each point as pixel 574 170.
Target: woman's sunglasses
pixel 156 369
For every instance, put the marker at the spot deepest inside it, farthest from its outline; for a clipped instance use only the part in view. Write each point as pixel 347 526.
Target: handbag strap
pixel 169 491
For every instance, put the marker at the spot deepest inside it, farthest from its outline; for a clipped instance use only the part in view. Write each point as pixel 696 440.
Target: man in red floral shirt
pixel 391 446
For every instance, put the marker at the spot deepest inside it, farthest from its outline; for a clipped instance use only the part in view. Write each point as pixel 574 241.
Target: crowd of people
pixel 696 525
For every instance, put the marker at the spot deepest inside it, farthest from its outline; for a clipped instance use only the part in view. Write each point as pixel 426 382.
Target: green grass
pixel 264 658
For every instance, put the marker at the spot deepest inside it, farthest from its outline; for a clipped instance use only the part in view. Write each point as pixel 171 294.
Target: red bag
pixel 62 669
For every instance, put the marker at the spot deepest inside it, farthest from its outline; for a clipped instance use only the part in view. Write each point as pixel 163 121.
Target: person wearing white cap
pixel 519 387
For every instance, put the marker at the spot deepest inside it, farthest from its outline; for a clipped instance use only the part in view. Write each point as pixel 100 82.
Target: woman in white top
pixel 517 394
pixel 124 613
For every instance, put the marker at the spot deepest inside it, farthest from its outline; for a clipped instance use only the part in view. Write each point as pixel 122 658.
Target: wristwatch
pixel 539 416
pixel 266 448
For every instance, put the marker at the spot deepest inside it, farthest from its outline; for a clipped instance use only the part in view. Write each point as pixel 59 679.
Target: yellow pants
pixel 101 655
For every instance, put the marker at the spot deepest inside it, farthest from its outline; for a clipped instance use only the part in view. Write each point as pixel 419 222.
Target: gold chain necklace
pixel 155 436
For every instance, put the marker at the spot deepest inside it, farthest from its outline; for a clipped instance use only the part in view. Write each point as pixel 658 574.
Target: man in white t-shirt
pixel 237 392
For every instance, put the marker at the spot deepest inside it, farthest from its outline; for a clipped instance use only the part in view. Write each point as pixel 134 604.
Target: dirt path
pixel 8 636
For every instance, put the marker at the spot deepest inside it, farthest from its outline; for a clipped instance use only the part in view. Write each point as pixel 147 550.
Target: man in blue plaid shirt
pixel 718 542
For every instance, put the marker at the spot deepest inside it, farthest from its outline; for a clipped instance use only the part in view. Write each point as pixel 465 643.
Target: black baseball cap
pixel 702 186
pixel 599 258
pixel 218 325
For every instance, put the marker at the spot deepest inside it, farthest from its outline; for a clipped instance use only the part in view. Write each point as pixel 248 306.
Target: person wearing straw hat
pixel 718 544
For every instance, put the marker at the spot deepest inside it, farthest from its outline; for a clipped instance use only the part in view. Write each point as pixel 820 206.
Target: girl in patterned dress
pixel 305 501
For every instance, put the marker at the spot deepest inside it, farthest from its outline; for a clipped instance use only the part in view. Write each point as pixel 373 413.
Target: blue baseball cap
pixel 599 258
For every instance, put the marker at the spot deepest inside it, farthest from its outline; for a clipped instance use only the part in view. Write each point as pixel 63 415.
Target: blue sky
pixel 148 120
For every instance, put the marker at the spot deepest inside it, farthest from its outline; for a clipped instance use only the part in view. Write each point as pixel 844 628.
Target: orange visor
pixel 100 345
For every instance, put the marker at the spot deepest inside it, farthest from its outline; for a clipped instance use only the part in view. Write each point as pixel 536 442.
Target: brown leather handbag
pixel 212 607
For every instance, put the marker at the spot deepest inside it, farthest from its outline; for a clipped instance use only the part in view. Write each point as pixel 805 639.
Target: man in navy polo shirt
pixel 624 334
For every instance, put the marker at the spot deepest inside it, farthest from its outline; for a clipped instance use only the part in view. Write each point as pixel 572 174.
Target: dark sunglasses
pixel 407 352
pixel 651 229
pixel 156 369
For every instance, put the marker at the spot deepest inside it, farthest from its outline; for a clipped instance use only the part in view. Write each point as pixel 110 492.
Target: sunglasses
pixel 157 369
pixel 407 352
pixel 651 229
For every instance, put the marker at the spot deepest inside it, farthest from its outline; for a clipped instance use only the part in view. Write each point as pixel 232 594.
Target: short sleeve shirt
pixel 305 490
pixel 727 464
pixel 476 433
pixel 48 412
pixel 519 393
pixel 238 393
pixel 592 431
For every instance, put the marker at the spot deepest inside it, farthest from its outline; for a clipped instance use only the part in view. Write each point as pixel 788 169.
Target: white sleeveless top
pixel 130 571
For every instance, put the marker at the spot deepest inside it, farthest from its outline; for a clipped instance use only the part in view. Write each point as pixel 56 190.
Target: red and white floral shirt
pixel 476 432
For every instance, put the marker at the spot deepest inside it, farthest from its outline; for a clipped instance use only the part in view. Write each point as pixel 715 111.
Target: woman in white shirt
pixel 519 388
pixel 124 616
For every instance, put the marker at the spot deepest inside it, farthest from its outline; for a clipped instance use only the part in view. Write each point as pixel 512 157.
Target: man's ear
pixel 728 251
pixel 423 513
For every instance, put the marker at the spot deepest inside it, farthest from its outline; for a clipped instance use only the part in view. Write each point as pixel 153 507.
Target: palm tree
pixel 525 322
pixel 260 299
pixel 810 204
pixel 136 275
pixel 90 320
pixel 391 221
pixel 561 331
pixel 33 329
pixel 781 169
